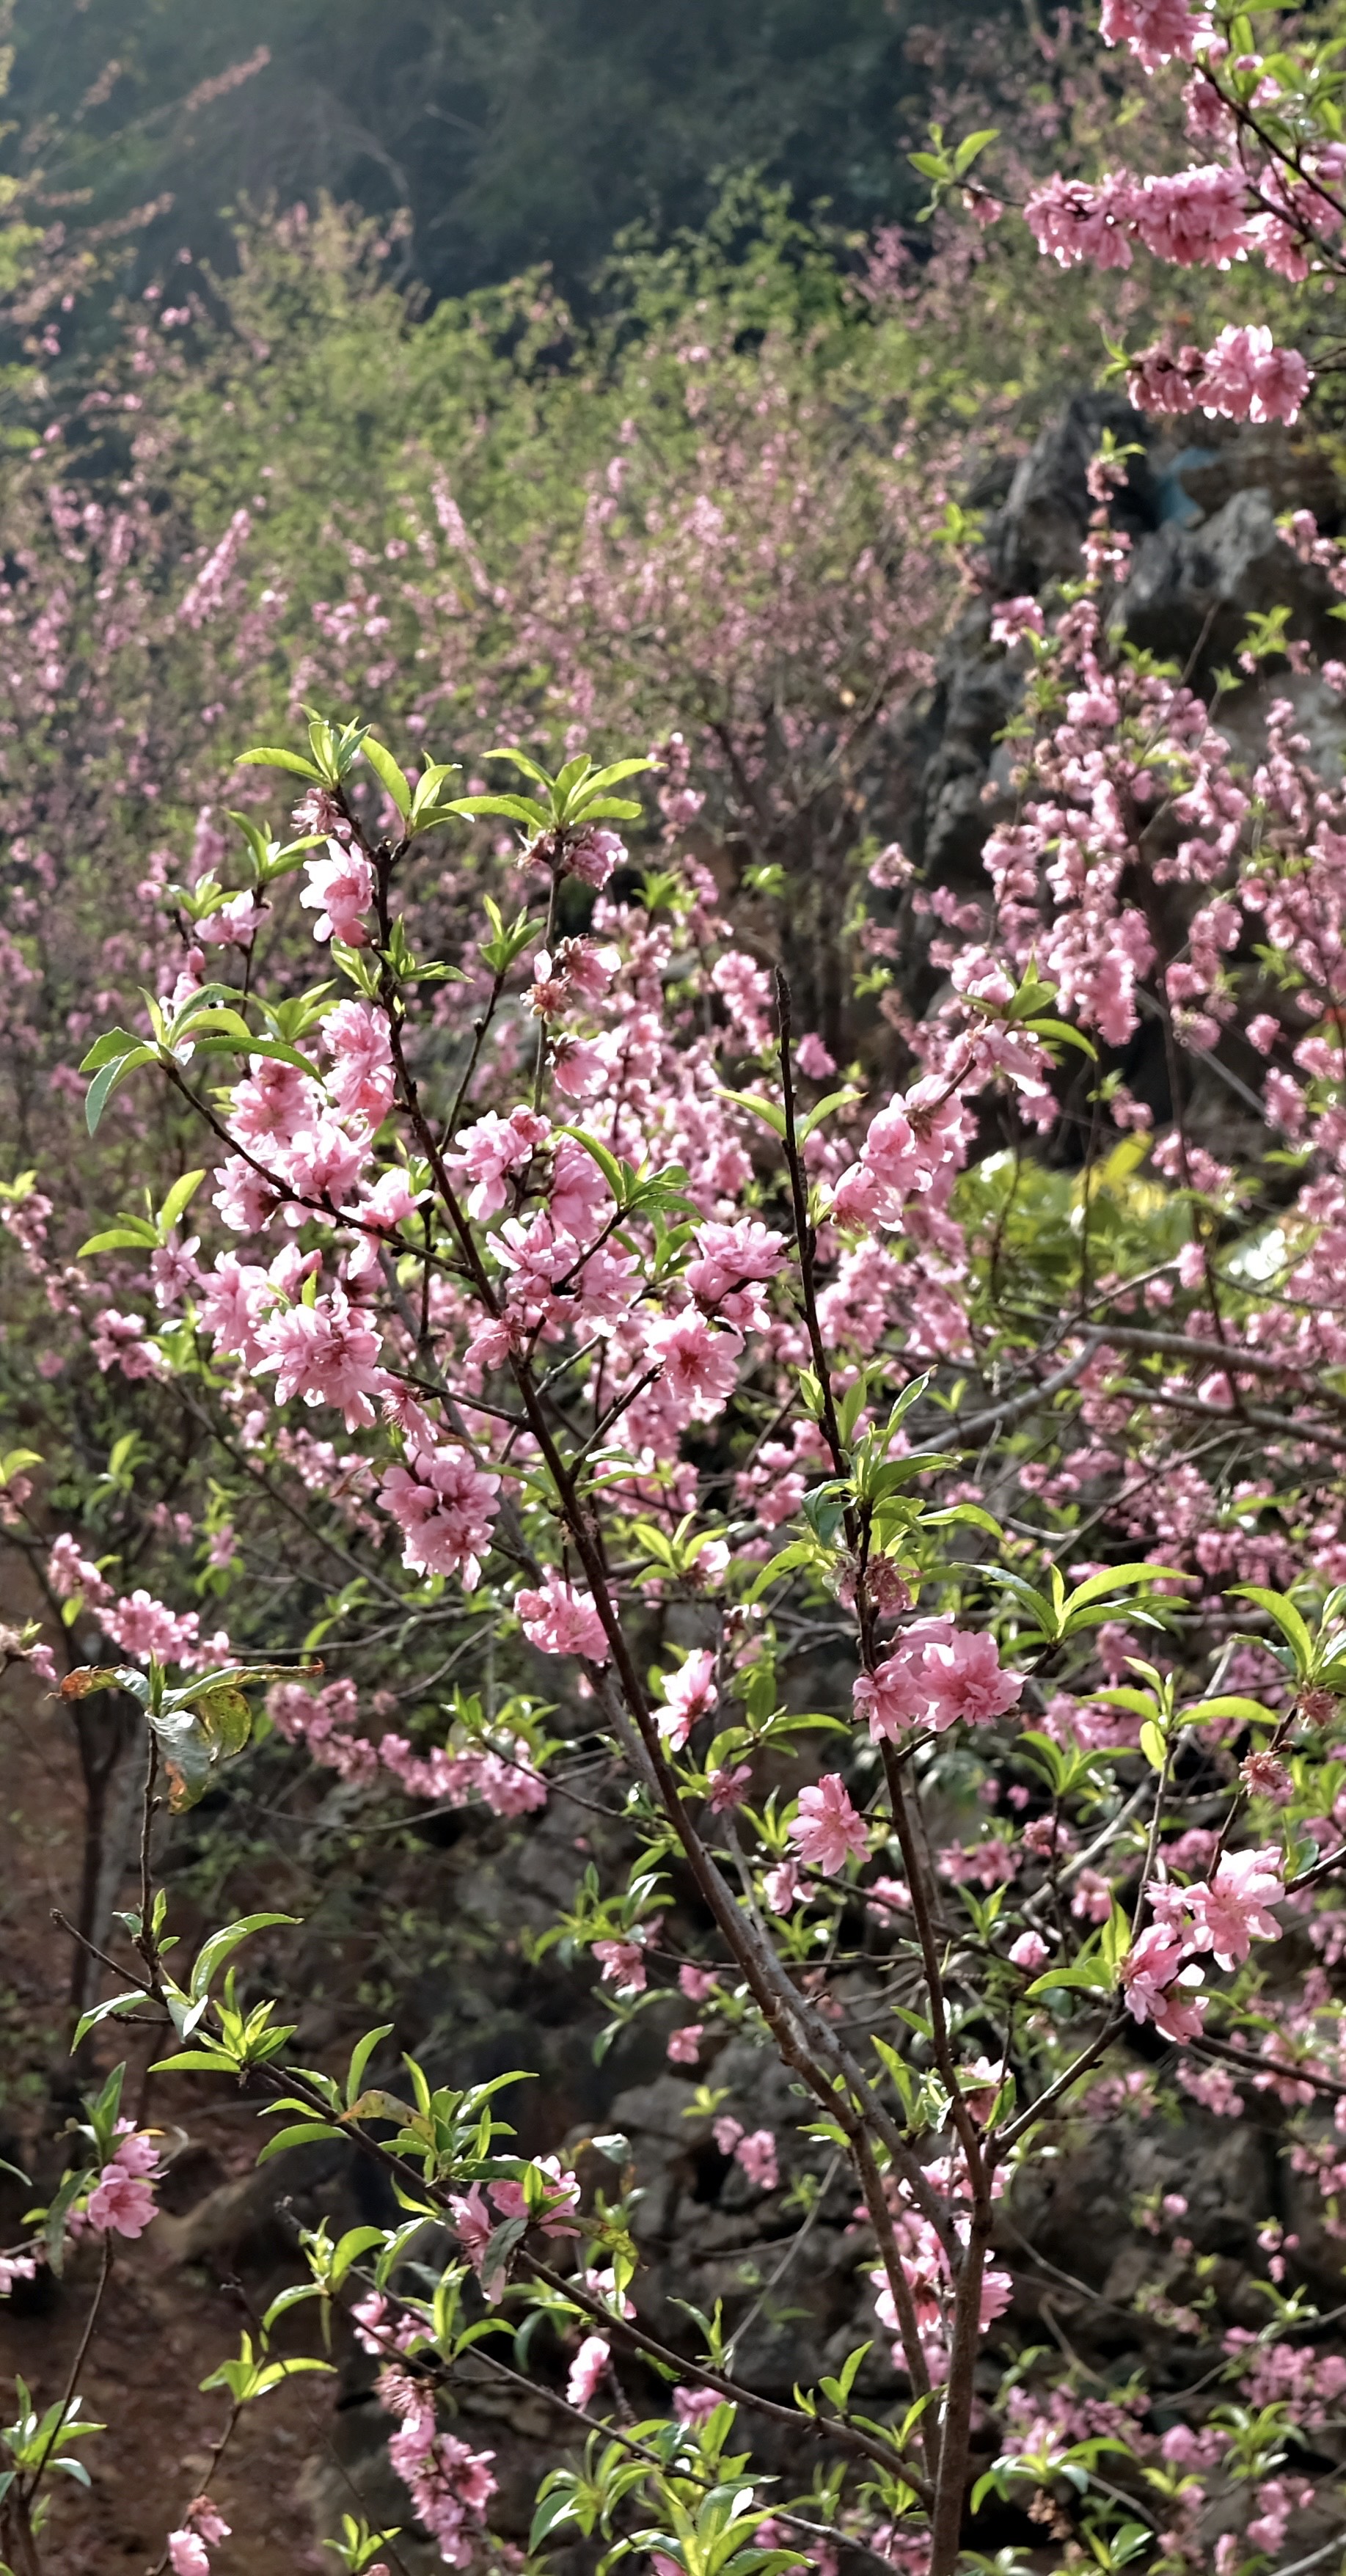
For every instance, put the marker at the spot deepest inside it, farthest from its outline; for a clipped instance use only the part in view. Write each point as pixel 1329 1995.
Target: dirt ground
pixel 173 2310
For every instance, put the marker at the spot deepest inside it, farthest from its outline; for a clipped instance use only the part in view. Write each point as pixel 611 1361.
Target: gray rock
pixel 1036 537
pixel 1191 590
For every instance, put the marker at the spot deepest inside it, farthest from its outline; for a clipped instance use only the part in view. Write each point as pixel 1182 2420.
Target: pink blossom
pixel 622 1964
pixel 726 2131
pixel 593 856
pixel 757 2155
pixel 322 1162
pixel 1011 618
pixel 121 2204
pixel 68 1572
pixel 233 925
pixel 699 1366
pixel 812 1057
pixel 781 1886
pixel 1264 1775
pixel 696 1983
pixel 579 1067
pixel 340 889
pixel 1156 31
pixel 1235 1905
pixel 173 1270
pixel 186 2549
pixel 828 1829
pixel 725 1787
pixel 561 1620
pixel 588 2371
pixel 1072 221
pixel 473 2221
pixel 136 2152
pixel 362 1080
pixel 1029 1951
pixel 695 2405
pixel 445 1508
pixel 553 2218
pixel 891 1697
pixel 965 1679
pixel 746 993
pixel 1245 377
pixel 684 2045
pixel 494 1146
pixel 1192 217
pixel 118 1342
pixel 733 1263
pixel 142 1626
pixel 1150 1973
pixel 447 2482
pixel 325 1353
pixel 579 1193
pixel 689 1693
pixel 273 1102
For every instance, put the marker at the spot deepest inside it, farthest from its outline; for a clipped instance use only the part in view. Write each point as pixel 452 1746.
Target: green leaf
pixel 824 1109
pixel 179 1199
pixel 607 1162
pixel 1062 1031
pixel 517 809
pixel 1152 1744
pixel 389 774
pixel 115 2004
pixel 613 776
pixel 769 1111
pixel 135 1234
pixel 195 2061
pixel 1287 1619
pixel 216 1950
pixel 301 2134
pixel 1230 1704
pixel 101 1089
pixel 605 809
pixel 360 2057
pixel 1116 1577
pixel 113 1042
pixel 968 150
pixel 1094 1976
pixel 267 756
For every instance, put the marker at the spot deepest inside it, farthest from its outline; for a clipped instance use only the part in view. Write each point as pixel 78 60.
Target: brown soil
pixel 165 2324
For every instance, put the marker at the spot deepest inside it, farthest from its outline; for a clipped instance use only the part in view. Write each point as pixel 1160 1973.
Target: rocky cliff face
pixel 1200 510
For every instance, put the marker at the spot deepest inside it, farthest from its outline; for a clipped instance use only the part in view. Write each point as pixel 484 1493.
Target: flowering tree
pixel 662 1359
pixel 906 1533
pixel 1269 188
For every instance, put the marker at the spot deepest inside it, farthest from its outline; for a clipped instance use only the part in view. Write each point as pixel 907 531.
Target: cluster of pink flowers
pixel 445 1507
pixel 689 1693
pixel 450 2484
pixel 1243 376
pixel 926 2267
pixel 340 889
pixel 936 1675
pixel 754 2149
pixel 189 2547
pixel 122 2202
pixel 1222 1915
pixel 491 1150
pixel 828 1831
pixel 476 2225
pixel 561 1619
